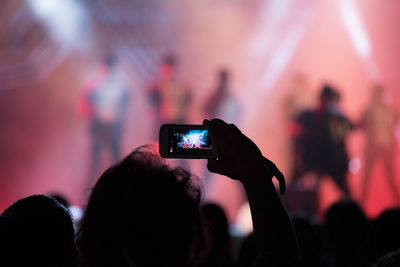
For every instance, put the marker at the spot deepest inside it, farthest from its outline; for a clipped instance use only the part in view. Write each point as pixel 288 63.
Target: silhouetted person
pixel 247 252
pixel 379 122
pixel 385 234
pixel 104 102
pixel 320 141
pixel 345 231
pixel 221 104
pixel 61 199
pixel 145 213
pixel 309 237
pixel 217 227
pixel 142 212
pixel 37 231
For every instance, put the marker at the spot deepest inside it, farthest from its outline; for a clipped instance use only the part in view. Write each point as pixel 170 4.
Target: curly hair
pixel 143 208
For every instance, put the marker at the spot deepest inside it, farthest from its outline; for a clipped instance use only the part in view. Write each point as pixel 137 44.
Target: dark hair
pixel 37 231
pixel 385 233
pixel 216 223
pixel 145 208
pixel 328 92
pixel 60 198
pixel 345 232
pixel 346 224
pixel 216 226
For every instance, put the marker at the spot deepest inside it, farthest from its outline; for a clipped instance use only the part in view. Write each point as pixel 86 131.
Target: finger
pixel 234 129
pixel 218 122
pixel 223 127
pixel 215 129
pixel 278 175
pixel 281 179
pixel 210 126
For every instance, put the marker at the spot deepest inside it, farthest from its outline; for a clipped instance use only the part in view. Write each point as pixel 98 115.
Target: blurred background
pixel 277 53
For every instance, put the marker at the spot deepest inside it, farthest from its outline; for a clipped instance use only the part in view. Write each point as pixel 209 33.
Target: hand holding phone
pixel 238 156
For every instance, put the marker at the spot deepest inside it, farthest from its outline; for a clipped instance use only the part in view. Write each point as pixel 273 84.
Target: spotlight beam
pixel 358 35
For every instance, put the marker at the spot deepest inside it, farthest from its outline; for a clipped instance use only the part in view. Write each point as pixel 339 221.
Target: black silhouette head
pixel 142 212
pixel 37 231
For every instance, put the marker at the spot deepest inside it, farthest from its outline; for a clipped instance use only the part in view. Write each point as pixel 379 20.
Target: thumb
pixel 278 175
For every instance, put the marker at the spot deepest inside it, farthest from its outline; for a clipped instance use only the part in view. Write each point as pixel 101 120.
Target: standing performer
pixel 104 102
pixel 320 142
pixel 169 95
pixel 221 104
pixel 379 122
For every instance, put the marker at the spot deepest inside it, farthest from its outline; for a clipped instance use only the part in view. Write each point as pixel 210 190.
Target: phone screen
pixel 189 142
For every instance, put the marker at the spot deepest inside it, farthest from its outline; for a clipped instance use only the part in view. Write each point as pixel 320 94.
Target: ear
pixel 128 260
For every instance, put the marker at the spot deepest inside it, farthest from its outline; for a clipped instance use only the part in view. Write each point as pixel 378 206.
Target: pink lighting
pixel 52 49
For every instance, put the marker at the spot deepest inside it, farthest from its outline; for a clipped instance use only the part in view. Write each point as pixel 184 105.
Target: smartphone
pixel 185 141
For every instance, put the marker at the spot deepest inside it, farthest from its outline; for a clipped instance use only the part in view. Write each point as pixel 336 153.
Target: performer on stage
pixel 320 141
pixel 379 122
pixel 104 103
pixel 221 104
pixel 170 97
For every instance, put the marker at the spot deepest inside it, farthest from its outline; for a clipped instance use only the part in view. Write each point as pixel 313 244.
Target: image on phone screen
pixel 189 142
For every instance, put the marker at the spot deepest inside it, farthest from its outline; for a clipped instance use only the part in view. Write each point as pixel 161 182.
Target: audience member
pixel 216 226
pixel 37 231
pixel 247 252
pixel 385 234
pixel 309 237
pixel 142 212
pixel 345 231
pixel 61 199
pixel 145 213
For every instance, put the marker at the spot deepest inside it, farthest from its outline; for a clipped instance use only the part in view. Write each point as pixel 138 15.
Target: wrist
pixel 259 175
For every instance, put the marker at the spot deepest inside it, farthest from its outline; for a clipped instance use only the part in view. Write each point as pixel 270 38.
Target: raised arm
pixel 240 159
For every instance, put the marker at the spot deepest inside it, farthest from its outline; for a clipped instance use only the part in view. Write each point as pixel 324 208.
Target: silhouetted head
pixel 247 251
pixel 346 224
pixel 308 236
pixel 37 231
pixel 385 233
pixel 144 212
pixel 61 199
pixel 217 226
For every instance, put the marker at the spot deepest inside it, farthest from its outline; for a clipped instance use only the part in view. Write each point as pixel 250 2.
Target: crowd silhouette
pixel 144 212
